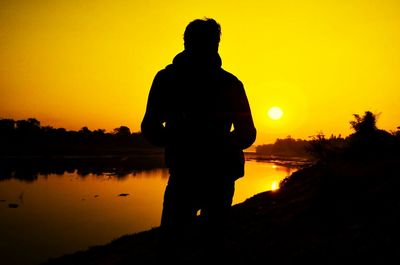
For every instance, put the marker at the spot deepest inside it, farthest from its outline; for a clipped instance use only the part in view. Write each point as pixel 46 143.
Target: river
pixel 56 214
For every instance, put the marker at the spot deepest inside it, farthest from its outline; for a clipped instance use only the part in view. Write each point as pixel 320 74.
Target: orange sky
pixel 73 63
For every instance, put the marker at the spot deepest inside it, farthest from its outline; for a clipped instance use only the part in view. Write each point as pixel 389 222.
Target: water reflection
pixel 66 210
pixel 260 176
pixel 30 168
pixel 274 185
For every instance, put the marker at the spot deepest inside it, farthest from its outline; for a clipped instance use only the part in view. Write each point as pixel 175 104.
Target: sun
pixel 275 113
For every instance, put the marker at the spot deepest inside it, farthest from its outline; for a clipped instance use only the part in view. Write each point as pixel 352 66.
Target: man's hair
pixel 202 35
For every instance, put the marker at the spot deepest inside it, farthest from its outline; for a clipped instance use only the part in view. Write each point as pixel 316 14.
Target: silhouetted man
pixel 200 114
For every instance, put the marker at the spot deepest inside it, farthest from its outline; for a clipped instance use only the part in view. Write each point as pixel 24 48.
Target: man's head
pixel 202 36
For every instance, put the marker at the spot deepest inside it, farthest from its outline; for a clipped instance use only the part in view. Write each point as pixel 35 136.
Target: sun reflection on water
pixel 274 185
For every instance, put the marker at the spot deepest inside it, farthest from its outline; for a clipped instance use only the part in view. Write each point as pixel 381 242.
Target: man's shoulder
pixel 228 76
pixel 165 73
pixel 166 70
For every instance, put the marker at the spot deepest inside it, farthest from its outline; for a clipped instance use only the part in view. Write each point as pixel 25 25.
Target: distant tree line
pixel 287 147
pixel 28 137
pixel 366 141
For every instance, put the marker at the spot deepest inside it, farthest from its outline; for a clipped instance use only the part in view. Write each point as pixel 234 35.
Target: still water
pixel 63 213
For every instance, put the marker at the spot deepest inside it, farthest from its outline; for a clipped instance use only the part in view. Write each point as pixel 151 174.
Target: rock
pixel 13 205
pixel 123 194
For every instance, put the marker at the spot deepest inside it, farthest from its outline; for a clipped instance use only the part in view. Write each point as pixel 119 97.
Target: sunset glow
pixel 91 63
pixel 275 113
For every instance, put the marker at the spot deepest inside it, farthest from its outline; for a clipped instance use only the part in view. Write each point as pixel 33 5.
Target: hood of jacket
pixel 187 61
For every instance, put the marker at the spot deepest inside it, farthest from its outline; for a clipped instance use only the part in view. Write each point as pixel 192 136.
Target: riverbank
pixel 29 167
pixel 328 213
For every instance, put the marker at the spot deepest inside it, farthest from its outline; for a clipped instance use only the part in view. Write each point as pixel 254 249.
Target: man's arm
pixel 244 133
pixel 152 123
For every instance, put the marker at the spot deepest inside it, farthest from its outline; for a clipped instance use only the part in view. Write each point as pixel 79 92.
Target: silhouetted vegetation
pixel 366 141
pixel 28 150
pixel 287 147
pixel 28 137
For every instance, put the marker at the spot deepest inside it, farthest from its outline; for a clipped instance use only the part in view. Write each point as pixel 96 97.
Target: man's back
pixel 200 102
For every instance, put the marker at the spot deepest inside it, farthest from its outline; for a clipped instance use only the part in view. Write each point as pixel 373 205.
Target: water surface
pixel 56 214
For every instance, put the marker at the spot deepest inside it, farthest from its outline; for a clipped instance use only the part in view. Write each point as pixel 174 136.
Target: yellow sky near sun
pixel 73 63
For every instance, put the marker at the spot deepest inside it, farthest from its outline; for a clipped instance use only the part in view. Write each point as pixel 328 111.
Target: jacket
pixel 200 114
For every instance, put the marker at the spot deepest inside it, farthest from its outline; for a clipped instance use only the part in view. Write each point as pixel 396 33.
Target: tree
pixel 30 125
pixel 122 131
pixel 7 126
pixel 85 130
pixel 364 124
